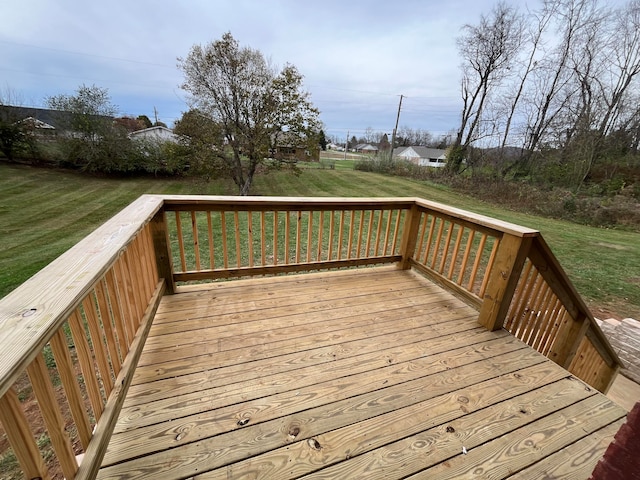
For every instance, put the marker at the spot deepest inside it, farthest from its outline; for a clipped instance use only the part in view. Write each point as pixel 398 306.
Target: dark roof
pixel 56 118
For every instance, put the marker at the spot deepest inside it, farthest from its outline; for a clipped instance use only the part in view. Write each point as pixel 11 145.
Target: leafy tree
pixel 384 143
pixel 130 124
pixel 322 140
pixel 145 121
pixel 16 135
pixel 91 142
pixel 249 100
pixel 200 138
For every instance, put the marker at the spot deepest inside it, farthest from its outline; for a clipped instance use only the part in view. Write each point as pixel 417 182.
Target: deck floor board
pixel 374 373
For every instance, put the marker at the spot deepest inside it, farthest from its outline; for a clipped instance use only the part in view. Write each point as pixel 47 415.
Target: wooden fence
pixel 82 321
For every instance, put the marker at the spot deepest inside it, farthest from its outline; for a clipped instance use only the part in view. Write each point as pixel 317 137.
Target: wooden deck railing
pixel 84 318
pixel 80 323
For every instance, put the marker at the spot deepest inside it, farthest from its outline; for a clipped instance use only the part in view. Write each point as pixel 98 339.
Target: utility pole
pixel 393 135
pixel 346 145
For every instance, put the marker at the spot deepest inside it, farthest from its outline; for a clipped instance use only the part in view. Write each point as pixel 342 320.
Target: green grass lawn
pixel 44 212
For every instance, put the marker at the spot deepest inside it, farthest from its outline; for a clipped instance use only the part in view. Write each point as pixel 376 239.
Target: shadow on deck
pixel 374 373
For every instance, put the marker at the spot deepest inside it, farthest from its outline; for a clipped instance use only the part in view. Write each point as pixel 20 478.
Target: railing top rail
pixel 282 203
pixel 489 222
pixel 32 313
pixel 317 203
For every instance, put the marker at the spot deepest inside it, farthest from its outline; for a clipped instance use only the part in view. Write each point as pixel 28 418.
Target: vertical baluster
pixel 424 220
pixel 351 225
pixel 447 246
pixel 183 260
pixel 263 239
pixel 287 234
pixel 436 249
pixel 320 236
pixel 552 328
pixel 522 296
pixel 476 263
pixel 276 229
pixel 360 229
pixel 396 232
pixel 367 247
pixel 465 257
pixel 225 247
pixel 196 240
pixel 387 232
pixel 236 225
pixel 492 257
pixel 298 235
pixel 432 228
pixel 126 292
pixel 309 235
pixel 71 388
pixel 456 251
pixel 99 349
pixel 332 219
pixel 250 237
pixel 115 301
pixel 102 310
pixel 20 437
pixel 378 233
pixel 340 234
pixel 53 419
pixel 212 262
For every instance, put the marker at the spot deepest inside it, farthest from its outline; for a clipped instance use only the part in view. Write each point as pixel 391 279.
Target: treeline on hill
pixel 550 109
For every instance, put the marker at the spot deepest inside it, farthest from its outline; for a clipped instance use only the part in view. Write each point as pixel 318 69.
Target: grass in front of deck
pixel 44 212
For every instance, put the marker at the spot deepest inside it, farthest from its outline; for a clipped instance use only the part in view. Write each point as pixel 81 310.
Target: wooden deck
pixel 374 373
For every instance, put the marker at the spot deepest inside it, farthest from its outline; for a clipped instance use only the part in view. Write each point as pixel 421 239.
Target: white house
pixel 155 134
pixel 423 156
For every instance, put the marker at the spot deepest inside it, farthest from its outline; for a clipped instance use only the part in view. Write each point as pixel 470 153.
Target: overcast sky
pixel 357 57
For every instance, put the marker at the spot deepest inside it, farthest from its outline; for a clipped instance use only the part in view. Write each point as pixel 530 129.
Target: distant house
pixel 157 134
pixel 422 156
pixel 366 148
pixel 291 147
pixel 43 121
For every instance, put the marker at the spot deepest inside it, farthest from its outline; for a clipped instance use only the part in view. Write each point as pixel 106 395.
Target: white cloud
pixel 357 57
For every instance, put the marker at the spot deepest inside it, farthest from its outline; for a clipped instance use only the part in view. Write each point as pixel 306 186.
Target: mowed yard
pixel 44 212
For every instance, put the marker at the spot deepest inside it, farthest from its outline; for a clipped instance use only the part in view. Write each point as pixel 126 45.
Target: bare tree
pixel 488 51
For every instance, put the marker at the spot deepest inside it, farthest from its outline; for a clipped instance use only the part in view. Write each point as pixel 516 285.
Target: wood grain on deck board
pixel 344 375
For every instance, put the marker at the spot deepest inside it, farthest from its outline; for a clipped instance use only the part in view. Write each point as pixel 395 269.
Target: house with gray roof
pixel 422 156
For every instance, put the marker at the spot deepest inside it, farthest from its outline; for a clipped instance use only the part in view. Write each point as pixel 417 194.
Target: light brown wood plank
pixel 391 374
pixel 322 311
pixel 329 335
pixel 348 359
pixel 332 404
pixel 529 444
pixel 367 449
pixel 297 298
pixel 279 322
pixel 318 347
pixel 338 375
pixel 329 413
pixel 575 462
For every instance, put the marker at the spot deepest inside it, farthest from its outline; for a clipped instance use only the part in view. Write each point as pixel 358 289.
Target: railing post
pixel 503 279
pixel 409 237
pixel 161 247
